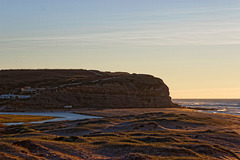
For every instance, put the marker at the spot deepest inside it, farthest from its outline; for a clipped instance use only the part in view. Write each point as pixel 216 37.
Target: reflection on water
pixel 60 116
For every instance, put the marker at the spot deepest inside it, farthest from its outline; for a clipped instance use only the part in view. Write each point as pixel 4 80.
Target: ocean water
pixel 226 106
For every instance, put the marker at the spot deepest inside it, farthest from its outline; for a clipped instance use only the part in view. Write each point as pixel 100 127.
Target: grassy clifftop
pixel 12 80
pixel 85 89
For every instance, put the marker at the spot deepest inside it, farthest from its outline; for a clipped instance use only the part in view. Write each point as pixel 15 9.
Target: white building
pixel 28 89
pixel 23 96
pixel 40 89
pixel 7 96
pixel 67 107
pixel 13 96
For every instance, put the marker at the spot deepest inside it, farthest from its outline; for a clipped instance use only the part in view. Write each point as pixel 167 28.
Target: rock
pixel 122 91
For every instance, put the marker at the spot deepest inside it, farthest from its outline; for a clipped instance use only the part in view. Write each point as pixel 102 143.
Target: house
pixel 7 96
pixel 68 107
pixel 13 96
pixel 23 96
pixel 28 89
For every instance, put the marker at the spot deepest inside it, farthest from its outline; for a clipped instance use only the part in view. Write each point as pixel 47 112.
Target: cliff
pixel 112 91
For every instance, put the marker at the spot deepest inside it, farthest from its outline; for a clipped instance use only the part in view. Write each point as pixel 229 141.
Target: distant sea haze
pixel 226 106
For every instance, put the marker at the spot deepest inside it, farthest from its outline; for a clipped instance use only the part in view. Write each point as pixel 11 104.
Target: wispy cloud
pixel 151 36
pixel 148 32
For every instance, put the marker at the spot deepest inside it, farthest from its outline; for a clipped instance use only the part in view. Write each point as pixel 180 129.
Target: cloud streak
pixel 148 36
pixel 149 29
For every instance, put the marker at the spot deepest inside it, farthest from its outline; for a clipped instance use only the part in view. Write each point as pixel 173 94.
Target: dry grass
pixel 125 138
pixel 22 118
pixel 2 125
pixel 15 79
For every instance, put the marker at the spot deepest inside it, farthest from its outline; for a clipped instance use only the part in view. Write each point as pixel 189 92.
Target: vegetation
pixel 148 136
pixel 22 118
pixel 13 80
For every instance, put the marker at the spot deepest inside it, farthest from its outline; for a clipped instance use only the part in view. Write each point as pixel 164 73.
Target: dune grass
pixel 22 118
pixel 122 137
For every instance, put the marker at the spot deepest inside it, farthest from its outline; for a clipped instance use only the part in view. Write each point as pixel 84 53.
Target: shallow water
pixel 60 116
pixel 226 106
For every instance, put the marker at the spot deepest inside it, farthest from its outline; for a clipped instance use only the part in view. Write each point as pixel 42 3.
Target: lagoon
pixel 60 116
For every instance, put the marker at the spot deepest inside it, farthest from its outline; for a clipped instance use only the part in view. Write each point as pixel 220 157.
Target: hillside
pixel 84 89
pixel 13 80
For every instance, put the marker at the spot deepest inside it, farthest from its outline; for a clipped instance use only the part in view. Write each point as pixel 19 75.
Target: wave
pixel 222 110
pixel 226 106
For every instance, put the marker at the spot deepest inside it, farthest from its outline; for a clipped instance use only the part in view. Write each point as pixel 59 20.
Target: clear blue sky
pixel 193 45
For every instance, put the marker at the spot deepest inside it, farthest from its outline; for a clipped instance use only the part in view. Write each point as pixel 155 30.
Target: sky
pixel 193 45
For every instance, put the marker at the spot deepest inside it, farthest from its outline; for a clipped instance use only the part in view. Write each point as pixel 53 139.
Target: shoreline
pixel 73 110
pixel 111 113
pixel 53 116
pixel 108 112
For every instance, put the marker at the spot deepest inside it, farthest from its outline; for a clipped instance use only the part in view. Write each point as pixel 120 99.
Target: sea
pixel 226 106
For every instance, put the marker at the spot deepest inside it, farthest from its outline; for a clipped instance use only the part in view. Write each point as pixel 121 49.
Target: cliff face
pixel 126 91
